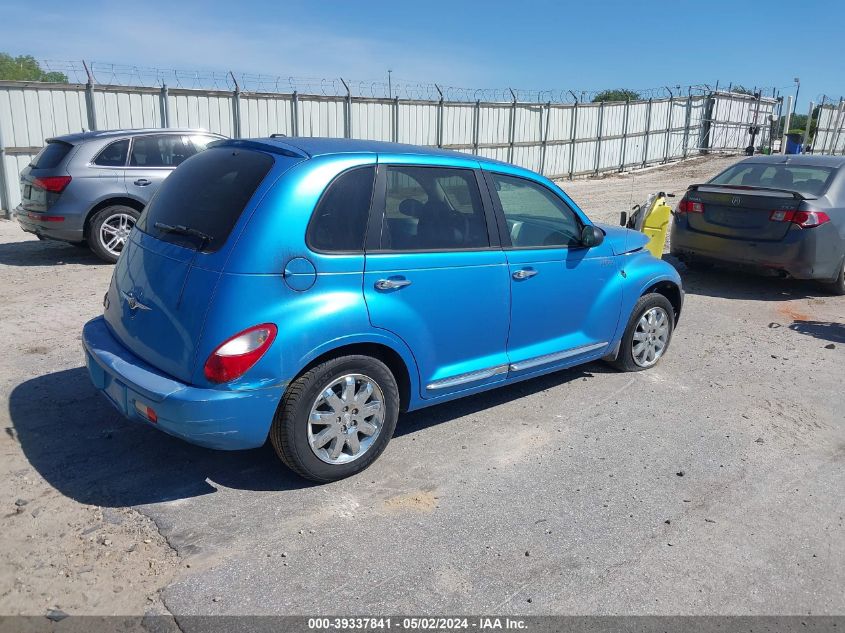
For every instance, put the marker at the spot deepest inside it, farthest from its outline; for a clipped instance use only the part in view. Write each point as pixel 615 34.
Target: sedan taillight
pixel 804 219
pixel 236 355
pixel 689 206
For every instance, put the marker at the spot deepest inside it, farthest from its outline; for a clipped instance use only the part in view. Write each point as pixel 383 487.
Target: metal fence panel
pixel 830 136
pixel 556 139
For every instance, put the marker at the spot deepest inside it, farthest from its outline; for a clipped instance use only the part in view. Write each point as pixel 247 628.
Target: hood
pixel 622 240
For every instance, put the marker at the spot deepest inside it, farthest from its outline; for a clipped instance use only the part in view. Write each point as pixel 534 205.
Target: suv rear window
pixel 806 179
pixel 207 193
pixel 51 155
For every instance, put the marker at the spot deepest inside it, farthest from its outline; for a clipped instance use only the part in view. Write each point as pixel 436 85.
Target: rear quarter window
pixel 51 155
pixel 207 193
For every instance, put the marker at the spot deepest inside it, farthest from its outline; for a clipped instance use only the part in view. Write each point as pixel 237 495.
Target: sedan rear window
pixel 51 155
pixel 206 195
pixel 806 179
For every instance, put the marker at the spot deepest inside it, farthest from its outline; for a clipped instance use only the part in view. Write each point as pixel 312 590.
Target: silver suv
pixel 89 188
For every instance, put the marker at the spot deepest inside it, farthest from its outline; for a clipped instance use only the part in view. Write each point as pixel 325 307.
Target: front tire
pixel 336 418
pixel 647 335
pixel 109 229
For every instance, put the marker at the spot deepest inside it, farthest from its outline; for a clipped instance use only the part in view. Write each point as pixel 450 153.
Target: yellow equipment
pixel 652 219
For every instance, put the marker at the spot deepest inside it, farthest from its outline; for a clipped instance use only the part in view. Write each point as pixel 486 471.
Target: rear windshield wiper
pixel 181 229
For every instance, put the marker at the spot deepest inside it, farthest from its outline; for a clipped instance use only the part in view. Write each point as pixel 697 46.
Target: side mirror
pixel 591 236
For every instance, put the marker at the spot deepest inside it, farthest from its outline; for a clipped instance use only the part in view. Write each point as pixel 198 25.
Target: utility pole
pixel 797 81
pixel 389 84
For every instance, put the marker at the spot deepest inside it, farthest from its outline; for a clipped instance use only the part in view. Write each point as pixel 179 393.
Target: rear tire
pixel 109 229
pixel 296 432
pixel 837 287
pixel 633 354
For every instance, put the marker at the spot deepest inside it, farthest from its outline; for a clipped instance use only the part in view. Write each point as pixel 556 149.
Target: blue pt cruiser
pixel 311 289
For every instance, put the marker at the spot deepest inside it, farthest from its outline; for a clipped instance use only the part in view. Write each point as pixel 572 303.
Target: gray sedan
pixel 89 188
pixel 780 213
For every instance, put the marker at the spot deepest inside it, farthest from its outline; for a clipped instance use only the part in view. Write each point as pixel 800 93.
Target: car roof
pixel 818 160
pixel 78 137
pixel 313 146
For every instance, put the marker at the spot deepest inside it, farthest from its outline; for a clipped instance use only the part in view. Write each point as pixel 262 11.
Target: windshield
pixel 806 179
pixel 198 205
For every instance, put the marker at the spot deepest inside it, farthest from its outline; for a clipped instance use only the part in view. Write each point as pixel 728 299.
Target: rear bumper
pixel 213 418
pixel 803 254
pixel 65 230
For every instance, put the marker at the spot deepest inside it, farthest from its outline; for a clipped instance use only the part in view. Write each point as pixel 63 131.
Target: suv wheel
pixel 109 229
pixel 336 418
pixel 647 335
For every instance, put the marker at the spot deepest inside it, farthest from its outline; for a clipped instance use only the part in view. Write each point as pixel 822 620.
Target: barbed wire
pixel 151 77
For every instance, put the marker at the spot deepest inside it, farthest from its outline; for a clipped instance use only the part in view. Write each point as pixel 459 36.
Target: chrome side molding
pixel 551 358
pixel 472 376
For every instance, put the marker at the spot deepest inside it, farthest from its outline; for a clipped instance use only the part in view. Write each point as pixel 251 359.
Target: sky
pixel 586 45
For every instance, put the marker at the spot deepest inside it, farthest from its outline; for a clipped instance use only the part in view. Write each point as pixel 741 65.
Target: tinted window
pixel 113 155
pixel 51 155
pixel 806 179
pixel 160 151
pixel 340 218
pixel 535 216
pixel 433 208
pixel 208 193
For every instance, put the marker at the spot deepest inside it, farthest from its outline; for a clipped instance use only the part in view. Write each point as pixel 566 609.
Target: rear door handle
pixel 525 273
pixel 391 284
pixel 143 182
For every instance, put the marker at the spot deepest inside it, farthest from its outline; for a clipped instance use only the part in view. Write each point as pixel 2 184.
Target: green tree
pixel 741 90
pixel 26 68
pixel 618 94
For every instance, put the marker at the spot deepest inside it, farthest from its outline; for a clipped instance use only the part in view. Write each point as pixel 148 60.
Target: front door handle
pixel 525 273
pixel 143 182
pixel 391 284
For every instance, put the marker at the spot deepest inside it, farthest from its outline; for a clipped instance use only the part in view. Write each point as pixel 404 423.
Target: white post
pixel 786 124
pixel 807 128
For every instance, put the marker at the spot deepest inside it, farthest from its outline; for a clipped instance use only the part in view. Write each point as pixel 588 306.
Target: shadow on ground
pixel 735 284
pixel 46 253
pixel 825 330
pixel 89 452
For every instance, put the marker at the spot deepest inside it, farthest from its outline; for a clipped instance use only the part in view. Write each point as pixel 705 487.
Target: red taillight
pixel 53 184
pixel 146 411
pixel 44 218
pixel 235 356
pixel 688 206
pixel 804 219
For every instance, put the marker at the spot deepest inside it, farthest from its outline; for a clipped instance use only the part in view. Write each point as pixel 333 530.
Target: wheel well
pixel 385 354
pixel 128 202
pixel 671 291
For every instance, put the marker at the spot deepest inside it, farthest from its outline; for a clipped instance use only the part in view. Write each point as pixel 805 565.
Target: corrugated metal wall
pixel 830 136
pixel 558 140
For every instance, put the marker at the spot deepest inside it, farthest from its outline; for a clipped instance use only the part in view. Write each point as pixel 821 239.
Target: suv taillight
pixel 53 184
pixel 804 219
pixel 234 356
pixel 688 206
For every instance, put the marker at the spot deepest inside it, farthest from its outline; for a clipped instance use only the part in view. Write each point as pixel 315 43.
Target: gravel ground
pixel 711 484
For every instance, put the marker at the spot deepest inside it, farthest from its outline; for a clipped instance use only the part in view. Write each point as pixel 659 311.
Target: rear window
pixel 806 179
pixel 207 193
pixel 51 155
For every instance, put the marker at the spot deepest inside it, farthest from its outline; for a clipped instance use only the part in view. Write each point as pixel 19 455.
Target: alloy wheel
pixel 115 231
pixel 346 418
pixel 651 337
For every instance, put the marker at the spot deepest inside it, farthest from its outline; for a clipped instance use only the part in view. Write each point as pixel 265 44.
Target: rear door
pixel 151 159
pixel 436 276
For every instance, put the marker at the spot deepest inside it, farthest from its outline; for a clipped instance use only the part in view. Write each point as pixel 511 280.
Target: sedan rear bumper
pixel 214 418
pixel 814 253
